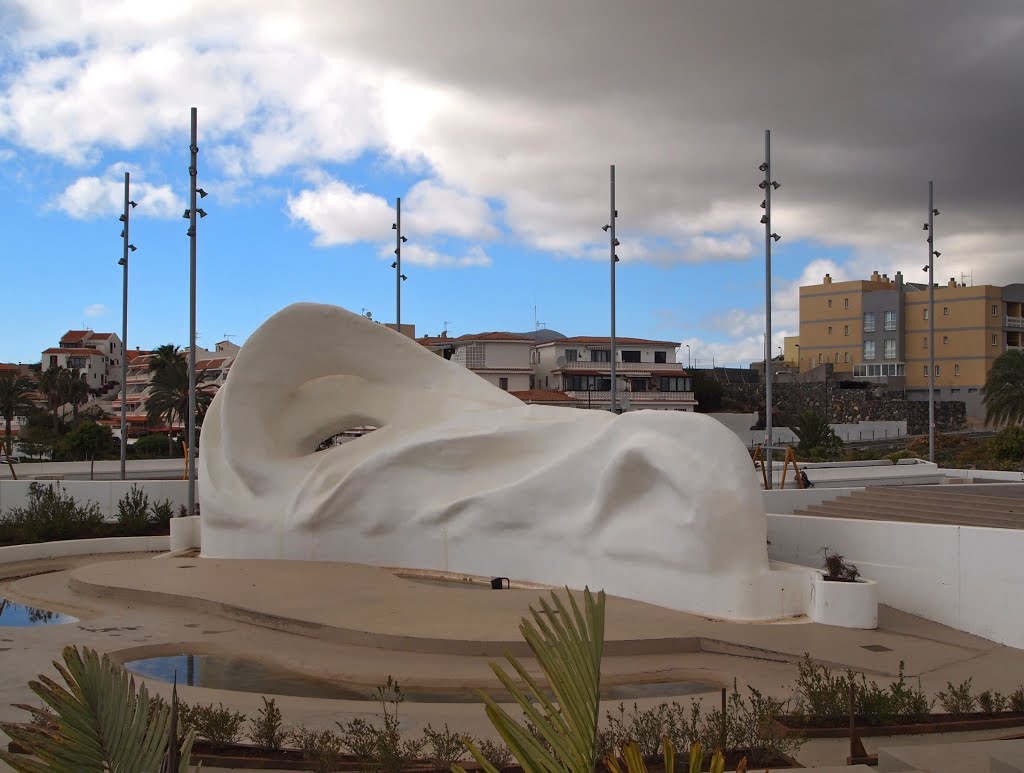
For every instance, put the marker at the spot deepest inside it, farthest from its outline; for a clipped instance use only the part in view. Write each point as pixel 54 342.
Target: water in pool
pixel 21 616
pixel 223 672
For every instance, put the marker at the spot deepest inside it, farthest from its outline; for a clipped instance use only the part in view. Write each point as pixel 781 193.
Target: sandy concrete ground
pixel 278 612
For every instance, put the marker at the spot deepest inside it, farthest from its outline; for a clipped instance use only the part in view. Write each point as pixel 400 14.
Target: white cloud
pixel 96 310
pixel 90 197
pixel 337 214
pixel 474 257
pixel 437 209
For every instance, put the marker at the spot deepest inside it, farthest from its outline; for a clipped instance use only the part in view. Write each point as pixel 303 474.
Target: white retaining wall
pixel 965 577
pixel 105 493
pixel 82 547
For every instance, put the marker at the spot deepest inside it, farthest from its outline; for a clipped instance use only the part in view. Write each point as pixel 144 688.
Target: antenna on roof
pixel 228 336
pixel 445 331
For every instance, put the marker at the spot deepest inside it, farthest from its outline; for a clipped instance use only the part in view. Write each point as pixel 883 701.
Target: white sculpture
pixel 654 505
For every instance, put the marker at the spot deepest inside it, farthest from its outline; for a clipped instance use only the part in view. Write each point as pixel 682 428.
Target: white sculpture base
pixel 653 505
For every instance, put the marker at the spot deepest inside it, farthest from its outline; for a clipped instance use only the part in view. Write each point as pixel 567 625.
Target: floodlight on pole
pixel 609 228
pixel 768 185
pixel 932 254
pixel 126 248
pixel 397 264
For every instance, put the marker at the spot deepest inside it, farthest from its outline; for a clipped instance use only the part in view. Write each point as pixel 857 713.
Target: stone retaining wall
pixel 848 406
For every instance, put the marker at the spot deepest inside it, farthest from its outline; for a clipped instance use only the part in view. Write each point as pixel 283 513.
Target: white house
pixel 503 359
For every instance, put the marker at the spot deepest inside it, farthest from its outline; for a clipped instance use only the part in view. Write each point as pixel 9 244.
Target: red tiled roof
pixel 102 336
pixel 211 363
pixel 543 396
pixel 502 370
pixel 434 340
pixel 667 372
pixel 495 337
pixel 135 354
pixel 76 352
pixel 619 341
pixel 75 335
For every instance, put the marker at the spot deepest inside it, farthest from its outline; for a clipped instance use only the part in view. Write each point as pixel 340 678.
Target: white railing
pixel 1014 321
pixel 632 397
pixel 621 367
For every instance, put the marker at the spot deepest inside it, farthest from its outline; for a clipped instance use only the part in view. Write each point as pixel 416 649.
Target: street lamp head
pixel 201 212
pixel 763 167
pixel 925 269
pixel 404 277
pixel 132 247
pixel 394 264
pixel 201 192
pixel 122 233
pixel 764 219
pixel 936 212
pixel 190 232
pixel 764 203
pixel 762 185
pixel 924 227
pixel 134 205
pixel 776 237
pixel 187 214
pixel 404 240
pixel 394 226
pixel 121 218
pixel 396 250
pixel 616 258
pixel 605 227
pixel 122 262
pixel 615 242
pixel 937 254
pixel 775 184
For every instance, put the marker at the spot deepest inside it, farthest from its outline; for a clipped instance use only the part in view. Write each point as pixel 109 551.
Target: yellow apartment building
pixel 877 330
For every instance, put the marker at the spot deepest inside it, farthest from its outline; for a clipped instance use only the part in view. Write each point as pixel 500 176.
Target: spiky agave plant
pixel 100 722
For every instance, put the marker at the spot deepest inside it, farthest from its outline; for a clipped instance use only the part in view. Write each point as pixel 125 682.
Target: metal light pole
pixel 126 247
pixel 192 172
pixel 612 244
pixel 397 264
pixel 767 185
pixel 932 254
pixel 688 356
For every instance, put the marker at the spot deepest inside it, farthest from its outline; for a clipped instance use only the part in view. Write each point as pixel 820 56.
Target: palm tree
pixel 168 398
pixel 14 400
pixel 53 384
pixel 1004 389
pixel 816 435
pixel 165 356
pixel 78 390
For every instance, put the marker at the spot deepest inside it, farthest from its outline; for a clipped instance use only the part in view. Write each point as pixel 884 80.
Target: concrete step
pixel 898 516
pixel 875 505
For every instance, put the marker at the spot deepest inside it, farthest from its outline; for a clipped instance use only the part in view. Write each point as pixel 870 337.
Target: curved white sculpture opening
pixel 654 505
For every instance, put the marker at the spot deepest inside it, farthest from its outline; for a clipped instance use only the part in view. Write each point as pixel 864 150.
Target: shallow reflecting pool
pixel 222 672
pixel 20 616
pixel 443 583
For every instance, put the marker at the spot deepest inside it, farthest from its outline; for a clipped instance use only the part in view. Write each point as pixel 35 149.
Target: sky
pixel 496 124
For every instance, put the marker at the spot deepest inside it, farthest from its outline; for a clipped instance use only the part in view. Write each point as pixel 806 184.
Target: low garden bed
pixel 933 723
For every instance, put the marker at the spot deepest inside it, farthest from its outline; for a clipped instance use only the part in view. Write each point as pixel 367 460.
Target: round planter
pixel 846 604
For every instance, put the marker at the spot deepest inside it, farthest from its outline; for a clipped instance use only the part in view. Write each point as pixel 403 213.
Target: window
pixel 995 310
pixel 837 357
pixel 676 384
pixel 111 347
pixel 925 313
pixel 588 383
pixel 890 320
pixel 869 350
pixel 924 342
pixel 945 339
pixel 830 303
pixel 938 369
pixel 631 355
pixel 890 349
pixel 640 384
pixel 821 358
pixel 995 341
pixel 869 322
pixel 601 355
pixel 503 384
pixel 571 355
pixel 661 357
pixel 846 303
pixel 846 357
pixel 956 369
pixel 945 311
pixel 846 330
pixel 830 330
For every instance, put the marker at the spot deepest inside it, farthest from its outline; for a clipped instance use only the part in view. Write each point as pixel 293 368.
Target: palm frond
pixel 101 722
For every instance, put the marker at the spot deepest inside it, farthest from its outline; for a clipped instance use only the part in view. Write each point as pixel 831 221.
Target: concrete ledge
pixel 846 604
pixel 185 533
pixel 82 547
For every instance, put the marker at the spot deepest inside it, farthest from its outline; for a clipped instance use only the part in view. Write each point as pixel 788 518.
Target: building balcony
pixel 622 367
pixel 1014 322
pixel 623 396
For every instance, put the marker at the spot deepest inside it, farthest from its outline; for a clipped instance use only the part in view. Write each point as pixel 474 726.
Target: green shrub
pixel 265 730
pixel 133 512
pixel 160 513
pixel 750 727
pixel 1008 444
pixel 382 748
pixel 446 747
pixel 50 514
pixel 217 725
pixel 1017 700
pixel 957 700
pixel 155 445
pixel 495 752
pixel 323 748
pixel 992 701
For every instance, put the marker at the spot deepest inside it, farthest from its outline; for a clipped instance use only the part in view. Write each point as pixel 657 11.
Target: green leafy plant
pixel 632 761
pixel 817 438
pixel 497 753
pixel 838 569
pixel 265 729
pixel 133 512
pixel 751 727
pixel 446 747
pixel 160 513
pixel 568 646
pixel 957 700
pixel 992 701
pixel 215 724
pixel 382 747
pixel 324 748
pixel 88 441
pixel 99 722
pixel 1004 390
pixel 50 514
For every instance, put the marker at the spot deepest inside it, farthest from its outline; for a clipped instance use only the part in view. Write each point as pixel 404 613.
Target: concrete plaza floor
pixel 359 624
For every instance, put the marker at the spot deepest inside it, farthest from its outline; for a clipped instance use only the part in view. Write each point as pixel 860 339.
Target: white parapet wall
pixel 966 577
pixel 82 547
pixel 105 493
